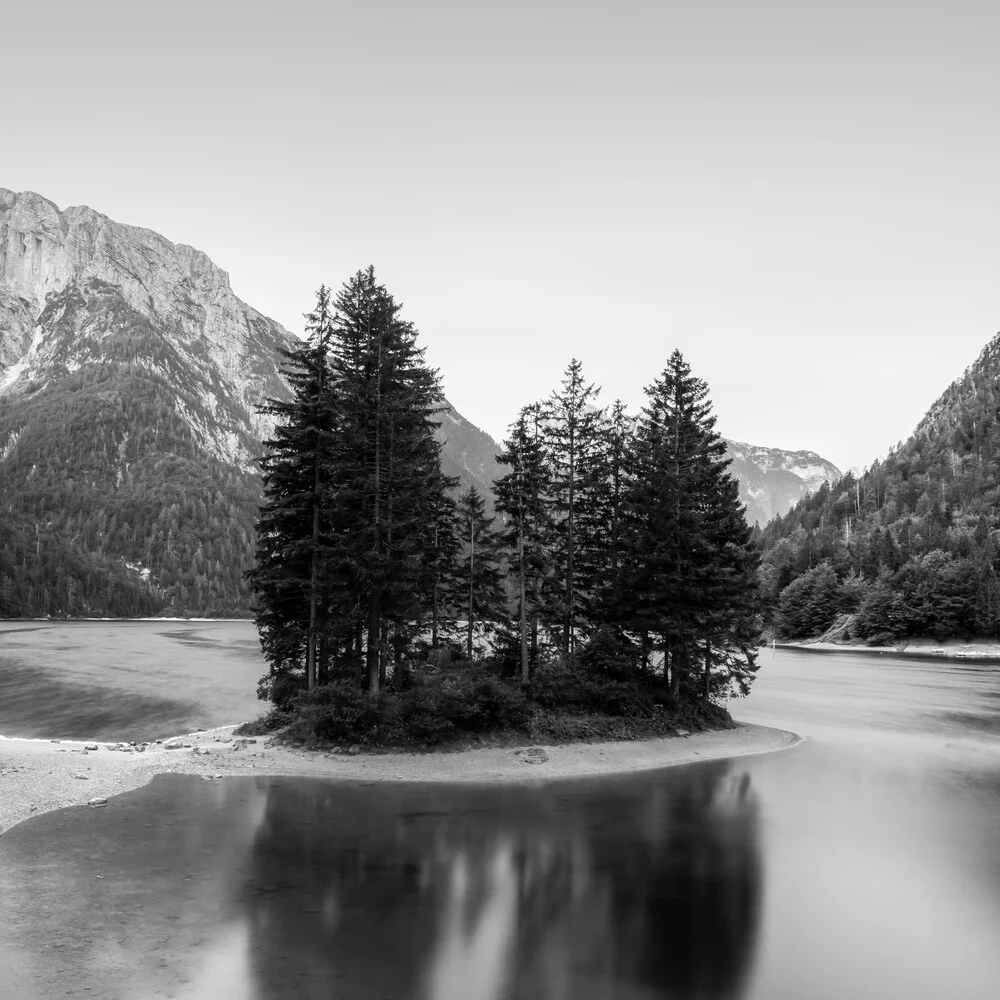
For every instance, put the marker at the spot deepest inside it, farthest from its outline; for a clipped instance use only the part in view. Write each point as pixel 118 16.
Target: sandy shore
pixel 37 776
pixel 977 649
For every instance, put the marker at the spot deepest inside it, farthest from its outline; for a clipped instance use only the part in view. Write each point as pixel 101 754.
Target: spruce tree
pixel 477 572
pixel 687 577
pixel 291 603
pixel 573 425
pixel 387 477
pixel 444 548
pixel 522 496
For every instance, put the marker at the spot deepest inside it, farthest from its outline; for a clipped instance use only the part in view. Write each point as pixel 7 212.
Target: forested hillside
pixel 912 547
pixel 130 428
pixel 112 505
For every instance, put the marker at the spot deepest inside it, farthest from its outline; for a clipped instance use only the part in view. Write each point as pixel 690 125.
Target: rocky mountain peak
pixel 44 251
pixel 773 480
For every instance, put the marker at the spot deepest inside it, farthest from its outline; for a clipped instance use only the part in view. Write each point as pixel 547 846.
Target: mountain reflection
pixel 618 888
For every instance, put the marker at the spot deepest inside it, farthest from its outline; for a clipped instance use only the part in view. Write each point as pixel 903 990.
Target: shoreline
pixel 977 651
pixel 39 776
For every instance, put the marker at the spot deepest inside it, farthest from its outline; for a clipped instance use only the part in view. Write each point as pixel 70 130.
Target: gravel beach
pixel 37 776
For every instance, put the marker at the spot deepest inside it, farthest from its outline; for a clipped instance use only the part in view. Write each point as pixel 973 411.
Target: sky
pixel 801 197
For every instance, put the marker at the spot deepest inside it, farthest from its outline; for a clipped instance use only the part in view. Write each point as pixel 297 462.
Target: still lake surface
pixel 862 863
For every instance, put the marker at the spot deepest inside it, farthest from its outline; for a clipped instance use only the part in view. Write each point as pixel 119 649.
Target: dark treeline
pixel 910 548
pixel 618 544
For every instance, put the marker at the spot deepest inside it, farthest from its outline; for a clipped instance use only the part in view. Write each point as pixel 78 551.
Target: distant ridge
pixel 773 480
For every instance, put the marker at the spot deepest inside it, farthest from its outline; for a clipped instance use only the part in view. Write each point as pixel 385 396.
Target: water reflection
pixel 615 890
pixel 260 889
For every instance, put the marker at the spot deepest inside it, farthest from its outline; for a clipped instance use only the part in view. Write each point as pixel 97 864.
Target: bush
pixel 612 654
pixel 341 712
pixel 281 690
pixel 264 724
pixel 470 700
pixel 561 686
pixel 437 707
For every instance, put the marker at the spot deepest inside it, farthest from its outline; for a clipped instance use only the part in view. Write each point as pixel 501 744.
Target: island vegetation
pixel 610 592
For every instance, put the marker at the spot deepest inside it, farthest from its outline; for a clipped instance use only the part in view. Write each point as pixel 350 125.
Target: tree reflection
pixel 623 887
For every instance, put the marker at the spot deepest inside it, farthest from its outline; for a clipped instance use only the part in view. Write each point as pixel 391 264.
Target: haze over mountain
pixel 130 374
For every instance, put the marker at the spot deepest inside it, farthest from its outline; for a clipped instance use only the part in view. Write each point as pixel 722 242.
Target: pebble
pixel 82 777
pixel 97 802
pixel 90 746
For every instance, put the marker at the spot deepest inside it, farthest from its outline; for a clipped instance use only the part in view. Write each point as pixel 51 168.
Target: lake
pixel 131 680
pixel 862 863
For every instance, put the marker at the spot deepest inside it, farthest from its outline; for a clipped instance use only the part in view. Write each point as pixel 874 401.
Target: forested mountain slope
pixel 912 546
pixel 130 376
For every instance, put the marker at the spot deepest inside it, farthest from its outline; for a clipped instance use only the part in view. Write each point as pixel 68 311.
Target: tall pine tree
pixel 522 496
pixel 573 425
pixel 387 477
pixel 291 603
pixel 477 573
pixel 687 576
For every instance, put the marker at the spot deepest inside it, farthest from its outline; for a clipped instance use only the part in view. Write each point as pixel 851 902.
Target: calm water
pixel 126 680
pixel 864 863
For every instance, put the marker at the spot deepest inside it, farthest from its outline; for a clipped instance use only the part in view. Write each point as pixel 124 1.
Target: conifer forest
pixel 909 548
pixel 617 547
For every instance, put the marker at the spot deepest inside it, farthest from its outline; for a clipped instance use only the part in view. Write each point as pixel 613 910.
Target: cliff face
pixel 228 347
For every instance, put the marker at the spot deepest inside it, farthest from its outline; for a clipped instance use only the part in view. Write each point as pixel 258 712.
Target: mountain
pixel 912 546
pixel 130 374
pixel 772 480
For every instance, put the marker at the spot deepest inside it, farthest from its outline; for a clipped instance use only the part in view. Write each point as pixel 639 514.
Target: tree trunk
pixel 374 628
pixel 472 577
pixel 524 616
pixel 313 594
pixel 708 669
pixel 383 643
pixel 568 620
pixel 434 595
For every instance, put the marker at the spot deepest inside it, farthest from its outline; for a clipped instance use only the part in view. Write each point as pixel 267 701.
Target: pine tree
pixel 688 569
pixel 444 548
pixel 286 578
pixel 522 496
pixel 602 518
pixel 478 569
pixel 387 476
pixel 572 430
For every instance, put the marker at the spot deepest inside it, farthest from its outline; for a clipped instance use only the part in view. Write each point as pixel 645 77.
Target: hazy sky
pixel 802 197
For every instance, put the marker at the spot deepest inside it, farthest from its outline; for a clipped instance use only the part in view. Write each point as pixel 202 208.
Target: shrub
pixel 470 699
pixel 437 707
pixel 281 690
pixel 612 654
pixel 264 724
pixel 568 687
pixel 341 712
